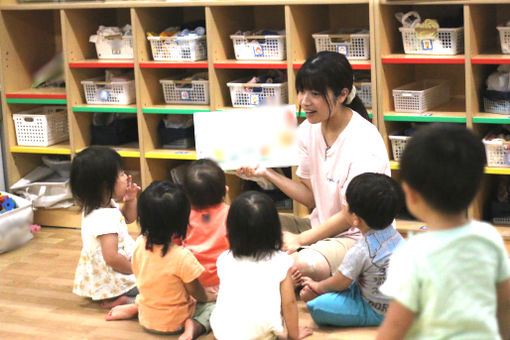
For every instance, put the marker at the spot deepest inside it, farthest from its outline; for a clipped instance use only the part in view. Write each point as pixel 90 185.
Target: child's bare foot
pixel 296 276
pixel 304 331
pixel 110 303
pixel 192 330
pixel 307 294
pixel 122 312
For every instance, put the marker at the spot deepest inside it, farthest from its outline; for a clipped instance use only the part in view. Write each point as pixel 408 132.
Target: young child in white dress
pixel 255 281
pixel 104 271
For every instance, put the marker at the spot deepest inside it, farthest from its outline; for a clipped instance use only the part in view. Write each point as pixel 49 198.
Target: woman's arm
pixel 290 311
pixel 110 250
pixel 195 289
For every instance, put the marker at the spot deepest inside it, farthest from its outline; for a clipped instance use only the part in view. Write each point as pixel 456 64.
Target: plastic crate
pixel 364 92
pixel 496 106
pixel 41 126
pixel 504 38
pixel 448 41
pixel 115 47
pixel 185 91
pixel 350 42
pixel 421 96
pixel 111 92
pixel 250 95
pixel 398 144
pixel 259 47
pixel 178 48
pixel 501 220
pixel 497 152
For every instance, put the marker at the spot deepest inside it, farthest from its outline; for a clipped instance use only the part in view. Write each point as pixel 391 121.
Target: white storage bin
pixel 496 106
pixel 185 91
pixel 497 152
pixel 364 92
pixel 15 224
pixel 41 126
pixel 353 43
pixel 250 95
pixel 109 92
pixel 259 47
pixel 114 47
pixel 421 96
pixel 398 144
pixel 501 220
pixel 504 38
pixel 448 41
pixel 178 48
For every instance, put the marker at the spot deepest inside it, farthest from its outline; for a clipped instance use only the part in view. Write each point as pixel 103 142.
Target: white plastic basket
pixel 504 38
pixel 41 126
pixel 421 96
pixel 111 92
pixel 117 47
pixel 364 92
pixel 497 152
pixel 398 144
pixel 178 48
pixel 250 95
pixel 259 47
pixel 350 42
pixel 185 91
pixel 496 106
pixel 15 224
pixel 501 220
pixel 448 41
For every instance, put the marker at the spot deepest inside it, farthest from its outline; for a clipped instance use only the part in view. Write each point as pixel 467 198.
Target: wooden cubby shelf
pixel 425 117
pixel 491 118
pixel 356 64
pixel 102 63
pixel 491 59
pixel 55 149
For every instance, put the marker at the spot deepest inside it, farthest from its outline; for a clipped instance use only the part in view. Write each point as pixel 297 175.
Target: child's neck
pixel 439 221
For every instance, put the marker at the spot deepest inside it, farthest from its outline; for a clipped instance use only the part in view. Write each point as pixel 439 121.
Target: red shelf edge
pixel 489 61
pixel 173 65
pixel 386 60
pixel 354 66
pixel 35 96
pixel 101 65
pixel 250 65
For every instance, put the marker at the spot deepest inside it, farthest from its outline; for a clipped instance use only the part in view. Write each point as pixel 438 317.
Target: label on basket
pixel 426 45
pixel 507 157
pixel 254 99
pixel 104 95
pixel 185 95
pixel 116 45
pixel 258 51
pixel 342 49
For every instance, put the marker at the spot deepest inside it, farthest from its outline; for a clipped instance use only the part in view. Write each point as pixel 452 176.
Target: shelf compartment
pixel 38 96
pixel 109 108
pixel 179 65
pixel 243 64
pixel 423 59
pixel 55 149
pixel 101 63
pixel 356 64
pixel 451 112
pixel 176 109
pixel 184 154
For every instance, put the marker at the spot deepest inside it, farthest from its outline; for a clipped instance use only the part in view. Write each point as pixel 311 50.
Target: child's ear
pixel 226 189
pixel 410 194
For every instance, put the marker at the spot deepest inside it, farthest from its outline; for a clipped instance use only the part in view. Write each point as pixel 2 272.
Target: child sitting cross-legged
pixel 351 296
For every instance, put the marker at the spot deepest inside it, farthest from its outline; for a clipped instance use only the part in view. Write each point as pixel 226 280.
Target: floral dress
pixel 94 278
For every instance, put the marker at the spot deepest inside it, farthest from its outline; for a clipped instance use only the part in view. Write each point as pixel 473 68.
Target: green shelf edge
pixel 173 111
pixel 425 119
pixel 480 120
pixel 36 101
pixel 105 109
pixel 302 115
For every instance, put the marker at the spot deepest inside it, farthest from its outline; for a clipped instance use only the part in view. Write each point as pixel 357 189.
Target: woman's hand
pixel 291 242
pixel 248 171
pixel 132 190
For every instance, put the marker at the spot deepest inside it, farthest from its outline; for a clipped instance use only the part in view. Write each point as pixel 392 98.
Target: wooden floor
pixel 36 299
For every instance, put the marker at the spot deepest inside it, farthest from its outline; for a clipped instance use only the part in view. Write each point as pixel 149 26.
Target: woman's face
pixel 315 106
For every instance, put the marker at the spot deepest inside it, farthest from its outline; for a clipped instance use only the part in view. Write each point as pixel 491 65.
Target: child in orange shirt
pixel 166 273
pixel 205 185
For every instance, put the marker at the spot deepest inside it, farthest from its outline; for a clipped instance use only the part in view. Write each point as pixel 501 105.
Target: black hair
pixel 163 214
pixel 329 70
pixel 204 183
pixel 94 172
pixel 444 164
pixel 253 226
pixel 376 198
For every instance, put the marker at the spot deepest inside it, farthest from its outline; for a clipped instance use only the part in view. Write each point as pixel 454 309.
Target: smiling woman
pixel 337 143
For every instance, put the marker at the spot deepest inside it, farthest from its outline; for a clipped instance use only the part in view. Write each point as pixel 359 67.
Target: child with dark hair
pixel 351 296
pixel 255 281
pixel 206 238
pixel 452 282
pixel 166 273
pixel 104 270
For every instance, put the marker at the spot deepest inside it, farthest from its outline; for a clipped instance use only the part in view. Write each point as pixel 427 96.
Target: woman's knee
pixel 313 264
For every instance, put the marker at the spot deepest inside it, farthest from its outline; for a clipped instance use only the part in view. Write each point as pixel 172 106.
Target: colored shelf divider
pixel 428 117
pixel 492 118
pixel 167 64
pixel 98 63
pixel 163 109
pixel 57 149
pixel 93 108
pixel 497 171
pixel 356 65
pixel 172 154
pixel 490 59
pixel 422 59
pixel 240 64
pixel 55 96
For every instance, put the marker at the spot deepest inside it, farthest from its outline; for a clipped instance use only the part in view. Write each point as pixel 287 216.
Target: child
pixel 206 238
pixel 255 281
pixel 373 201
pixel 166 273
pixel 451 282
pixel 104 269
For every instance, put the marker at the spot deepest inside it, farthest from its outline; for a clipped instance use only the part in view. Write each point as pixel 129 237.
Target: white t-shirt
pixel 249 301
pixel 448 278
pixel 359 148
pixel 94 278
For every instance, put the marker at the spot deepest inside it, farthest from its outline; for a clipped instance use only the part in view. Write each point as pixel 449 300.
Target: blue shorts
pixel 345 309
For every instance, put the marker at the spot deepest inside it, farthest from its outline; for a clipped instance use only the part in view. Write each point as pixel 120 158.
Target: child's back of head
pixel 444 164
pixel 94 172
pixel 253 226
pixel 376 198
pixel 163 213
pixel 204 184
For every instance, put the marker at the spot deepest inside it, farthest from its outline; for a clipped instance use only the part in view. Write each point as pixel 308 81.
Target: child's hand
pixel 310 289
pixel 304 331
pixel 132 190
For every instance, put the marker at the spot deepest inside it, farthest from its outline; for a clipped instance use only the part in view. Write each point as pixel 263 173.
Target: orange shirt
pixel 207 239
pixel 163 303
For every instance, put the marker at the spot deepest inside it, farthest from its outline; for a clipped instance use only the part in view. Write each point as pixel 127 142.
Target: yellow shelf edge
pixel 171 155
pixel 40 150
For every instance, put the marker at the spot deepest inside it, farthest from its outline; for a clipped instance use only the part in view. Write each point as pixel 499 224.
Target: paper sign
pixel 248 137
